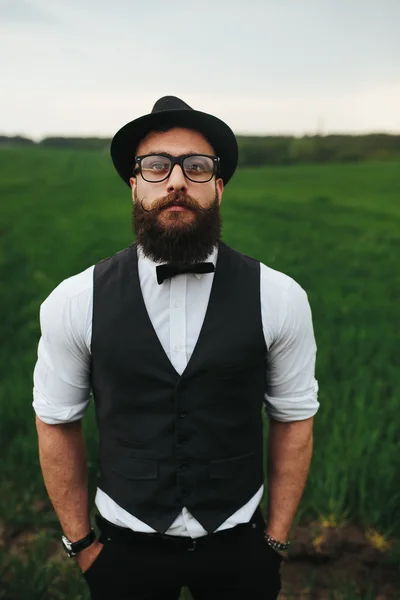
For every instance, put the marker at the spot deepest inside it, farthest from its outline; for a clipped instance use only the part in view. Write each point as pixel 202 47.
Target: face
pixel 176 220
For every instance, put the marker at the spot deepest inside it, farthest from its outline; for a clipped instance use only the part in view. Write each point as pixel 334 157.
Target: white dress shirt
pixel 176 309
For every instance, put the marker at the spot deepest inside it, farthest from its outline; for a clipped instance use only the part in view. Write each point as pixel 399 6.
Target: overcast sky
pixel 86 67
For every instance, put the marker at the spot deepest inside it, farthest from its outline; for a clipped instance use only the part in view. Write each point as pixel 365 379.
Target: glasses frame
pixel 177 160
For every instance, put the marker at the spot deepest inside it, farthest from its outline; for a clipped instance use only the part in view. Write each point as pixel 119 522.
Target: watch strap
pixel 73 548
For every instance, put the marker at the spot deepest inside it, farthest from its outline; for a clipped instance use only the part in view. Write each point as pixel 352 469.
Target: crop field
pixel 336 230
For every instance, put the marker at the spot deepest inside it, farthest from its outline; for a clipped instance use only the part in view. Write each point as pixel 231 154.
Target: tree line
pixel 256 151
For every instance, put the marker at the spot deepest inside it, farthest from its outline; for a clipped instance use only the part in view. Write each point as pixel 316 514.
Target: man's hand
pixel 86 557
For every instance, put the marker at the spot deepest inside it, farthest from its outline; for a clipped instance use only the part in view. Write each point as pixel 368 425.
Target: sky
pixel 87 67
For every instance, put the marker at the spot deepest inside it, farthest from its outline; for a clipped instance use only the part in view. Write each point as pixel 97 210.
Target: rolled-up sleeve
pixel 61 378
pixel 291 388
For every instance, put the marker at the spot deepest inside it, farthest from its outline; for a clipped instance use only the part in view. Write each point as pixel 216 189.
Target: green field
pixel 333 228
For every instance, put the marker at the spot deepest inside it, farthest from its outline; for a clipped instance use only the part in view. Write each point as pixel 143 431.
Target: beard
pixel 173 238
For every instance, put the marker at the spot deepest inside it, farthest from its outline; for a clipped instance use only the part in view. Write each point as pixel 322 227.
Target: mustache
pixel 175 199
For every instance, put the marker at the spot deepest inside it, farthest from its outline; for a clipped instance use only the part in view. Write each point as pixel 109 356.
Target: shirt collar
pixel 150 265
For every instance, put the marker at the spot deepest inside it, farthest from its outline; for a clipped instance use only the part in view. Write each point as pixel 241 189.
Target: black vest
pixel 167 440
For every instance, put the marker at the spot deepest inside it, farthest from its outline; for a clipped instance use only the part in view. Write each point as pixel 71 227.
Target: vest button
pixel 183 441
pixel 183 414
pixel 185 493
pixel 184 467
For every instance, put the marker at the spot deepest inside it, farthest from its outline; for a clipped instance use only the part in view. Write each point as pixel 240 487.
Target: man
pixel 182 340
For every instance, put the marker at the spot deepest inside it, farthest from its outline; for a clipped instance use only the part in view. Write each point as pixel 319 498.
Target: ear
pixel 219 187
pixel 133 182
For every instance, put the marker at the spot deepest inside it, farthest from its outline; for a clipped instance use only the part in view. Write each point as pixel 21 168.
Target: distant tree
pixel 283 150
pixel 90 143
pixel 15 140
pixel 271 150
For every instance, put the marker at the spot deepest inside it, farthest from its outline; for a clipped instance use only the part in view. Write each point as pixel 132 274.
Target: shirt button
pixel 183 414
pixel 177 303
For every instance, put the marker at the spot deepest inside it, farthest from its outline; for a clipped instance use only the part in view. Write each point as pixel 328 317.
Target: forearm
pixel 62 454
pixel 289 457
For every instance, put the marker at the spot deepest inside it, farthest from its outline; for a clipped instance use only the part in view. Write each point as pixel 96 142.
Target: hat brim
pixel 219 134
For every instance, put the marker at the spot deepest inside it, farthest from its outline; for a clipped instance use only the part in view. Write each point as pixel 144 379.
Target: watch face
pixel 67 546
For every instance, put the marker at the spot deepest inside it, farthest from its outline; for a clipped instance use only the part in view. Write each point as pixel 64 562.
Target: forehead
pixel 175 141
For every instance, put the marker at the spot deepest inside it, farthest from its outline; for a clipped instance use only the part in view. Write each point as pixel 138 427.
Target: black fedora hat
pixel 171 111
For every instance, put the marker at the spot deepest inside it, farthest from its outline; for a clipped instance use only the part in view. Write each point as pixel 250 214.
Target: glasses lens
pixel 155 168
pixel 198 168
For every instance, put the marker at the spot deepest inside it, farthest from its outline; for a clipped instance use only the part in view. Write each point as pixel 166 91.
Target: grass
pixel 334 228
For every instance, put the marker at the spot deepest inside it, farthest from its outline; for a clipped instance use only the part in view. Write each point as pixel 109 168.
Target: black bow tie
pixel 166 271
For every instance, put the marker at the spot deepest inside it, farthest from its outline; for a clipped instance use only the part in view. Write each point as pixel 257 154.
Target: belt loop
pixel 193 546
pixel 99 520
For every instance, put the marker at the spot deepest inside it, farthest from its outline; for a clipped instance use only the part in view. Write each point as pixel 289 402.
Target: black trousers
pixel 235 563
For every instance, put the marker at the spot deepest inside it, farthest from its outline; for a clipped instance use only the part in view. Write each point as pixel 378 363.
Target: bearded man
pixel 183 342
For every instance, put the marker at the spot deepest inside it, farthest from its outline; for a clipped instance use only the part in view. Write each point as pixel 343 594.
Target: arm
pixel 289 457
pixel 291 403
pixel 62 456
pixel 61 395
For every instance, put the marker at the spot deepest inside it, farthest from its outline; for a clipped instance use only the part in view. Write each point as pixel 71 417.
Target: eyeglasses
pixel 199 168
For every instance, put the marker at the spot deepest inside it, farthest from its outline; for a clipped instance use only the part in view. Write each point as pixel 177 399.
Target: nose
pixel 177 180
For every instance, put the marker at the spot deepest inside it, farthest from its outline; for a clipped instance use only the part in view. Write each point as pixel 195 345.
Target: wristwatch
pixel 73 548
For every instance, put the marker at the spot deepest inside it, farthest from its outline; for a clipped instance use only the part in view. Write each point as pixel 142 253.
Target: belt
pixel 109 532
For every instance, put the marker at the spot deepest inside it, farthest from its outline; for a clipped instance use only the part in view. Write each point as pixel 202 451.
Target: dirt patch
pixel 323 559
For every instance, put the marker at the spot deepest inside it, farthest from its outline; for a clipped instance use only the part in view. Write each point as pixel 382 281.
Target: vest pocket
pixel 236 370
pixel 229 467
pixel 137 469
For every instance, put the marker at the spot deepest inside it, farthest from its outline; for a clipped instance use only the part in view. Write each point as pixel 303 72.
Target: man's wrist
pixel 278 545
pixel 278 533
pixel 277 536
pixel 73 548
pixel 76 529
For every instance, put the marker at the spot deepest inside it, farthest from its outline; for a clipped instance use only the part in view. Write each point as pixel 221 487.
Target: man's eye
pixel 196 167
pixel 157 166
